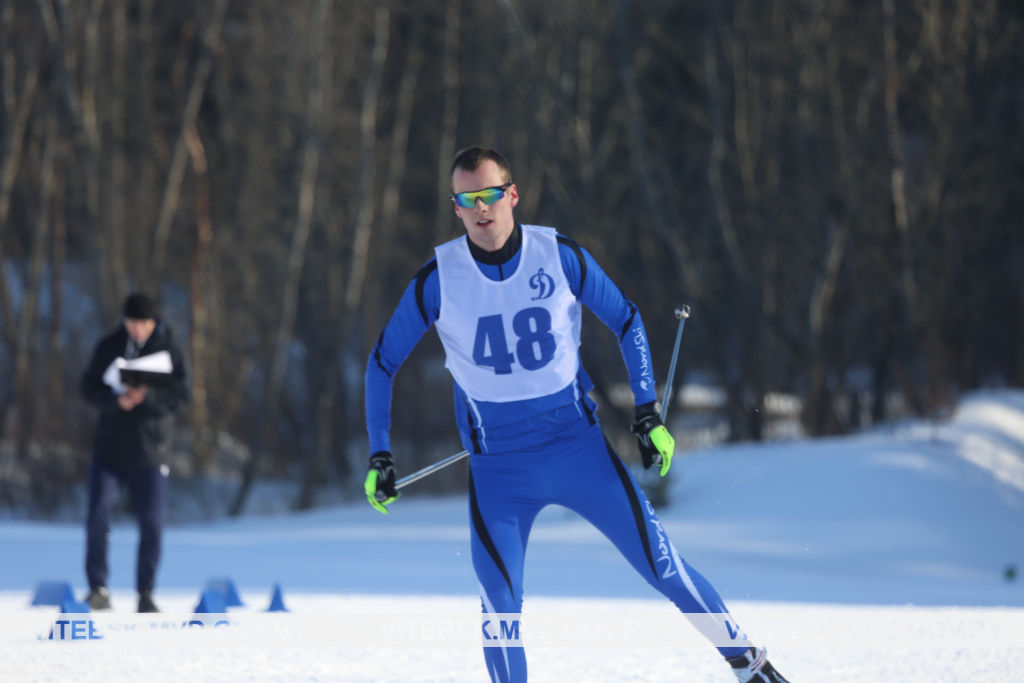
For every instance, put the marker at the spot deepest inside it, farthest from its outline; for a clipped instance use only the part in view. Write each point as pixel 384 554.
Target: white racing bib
pixel 511 340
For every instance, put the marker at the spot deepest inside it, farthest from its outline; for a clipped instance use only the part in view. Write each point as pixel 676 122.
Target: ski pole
pixel 430 469
pixel 682 313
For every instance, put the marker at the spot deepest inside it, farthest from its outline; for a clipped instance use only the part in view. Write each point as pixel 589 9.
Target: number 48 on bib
pixel 535 347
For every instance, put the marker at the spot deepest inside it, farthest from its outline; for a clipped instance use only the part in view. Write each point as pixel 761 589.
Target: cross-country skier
pixel 506 301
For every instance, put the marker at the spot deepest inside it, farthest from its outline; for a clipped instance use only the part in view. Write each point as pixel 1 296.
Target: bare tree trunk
pixel 176 174
pixel 365 197
pixel 898 190
pixel 90 117
pixel 400 134
pixel 747 108
pixel 149 154
pixel 332 224
pixel 584 114
pixel 396 164
pixel 13 145
pixel 23 374
pixel 718 149
pixel 849 153
pixel 320 65
pixel 313 471
pixel 825 286
pixel 898 176
pixel 55 365
pixel 116 216
pixel 109 265
pixel 539 76
pixel 215 334
pixel 200 322
pixel 544 173
pixel 819 415
pixel 941 219
pixel 364 201
pixel 234 392
pixel 449 121
pixel 639 154
pixel 64 62
pixel 326 432
pixel 8 62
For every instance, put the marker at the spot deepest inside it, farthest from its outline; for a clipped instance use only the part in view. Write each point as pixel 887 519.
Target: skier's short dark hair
pixel 471 158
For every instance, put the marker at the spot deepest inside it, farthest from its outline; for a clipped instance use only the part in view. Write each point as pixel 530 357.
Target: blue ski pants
pixel 584 474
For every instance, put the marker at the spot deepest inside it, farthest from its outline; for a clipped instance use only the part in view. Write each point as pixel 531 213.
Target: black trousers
pixel 147 487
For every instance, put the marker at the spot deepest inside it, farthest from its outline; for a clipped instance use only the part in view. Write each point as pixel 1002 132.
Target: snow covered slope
pixel 922 514
pixel 926 514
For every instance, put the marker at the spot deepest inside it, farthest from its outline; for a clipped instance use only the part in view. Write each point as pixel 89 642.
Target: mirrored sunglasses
pixel 489 195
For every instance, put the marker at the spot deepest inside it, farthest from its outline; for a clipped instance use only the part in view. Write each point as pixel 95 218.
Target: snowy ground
pixel 925 517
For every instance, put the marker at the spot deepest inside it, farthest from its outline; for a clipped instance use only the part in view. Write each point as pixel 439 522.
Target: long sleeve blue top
pixel 504 427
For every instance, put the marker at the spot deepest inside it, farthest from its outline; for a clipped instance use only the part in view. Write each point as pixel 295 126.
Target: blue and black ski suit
pixel 528 453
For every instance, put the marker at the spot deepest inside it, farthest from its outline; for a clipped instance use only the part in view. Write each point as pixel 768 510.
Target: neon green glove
pixel 656 444
pixel 380 482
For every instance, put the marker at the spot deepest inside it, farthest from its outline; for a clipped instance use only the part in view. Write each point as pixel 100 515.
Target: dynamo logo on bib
pixel 544 282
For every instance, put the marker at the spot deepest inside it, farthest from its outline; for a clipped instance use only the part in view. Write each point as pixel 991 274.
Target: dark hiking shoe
pixel 99 599
pixel 753 667
pixel 146 603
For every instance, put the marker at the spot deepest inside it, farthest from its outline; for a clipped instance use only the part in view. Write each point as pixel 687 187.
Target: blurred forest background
pixel 835 186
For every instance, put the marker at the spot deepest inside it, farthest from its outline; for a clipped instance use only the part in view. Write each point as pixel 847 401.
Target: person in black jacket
pixel 130 443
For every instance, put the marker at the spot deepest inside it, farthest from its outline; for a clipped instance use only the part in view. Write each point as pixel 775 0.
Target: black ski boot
pixel 753 667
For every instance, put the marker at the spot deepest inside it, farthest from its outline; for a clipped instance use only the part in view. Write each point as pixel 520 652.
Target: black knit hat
pixel 140 307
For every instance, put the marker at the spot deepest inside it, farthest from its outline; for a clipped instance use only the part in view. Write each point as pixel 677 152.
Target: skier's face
pixel 488 225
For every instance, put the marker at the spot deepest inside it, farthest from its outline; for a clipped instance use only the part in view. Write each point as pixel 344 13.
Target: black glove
pixel 656 444
pixel 380 481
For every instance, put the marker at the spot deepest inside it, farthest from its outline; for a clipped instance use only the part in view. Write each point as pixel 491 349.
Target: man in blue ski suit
pixel 506 302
